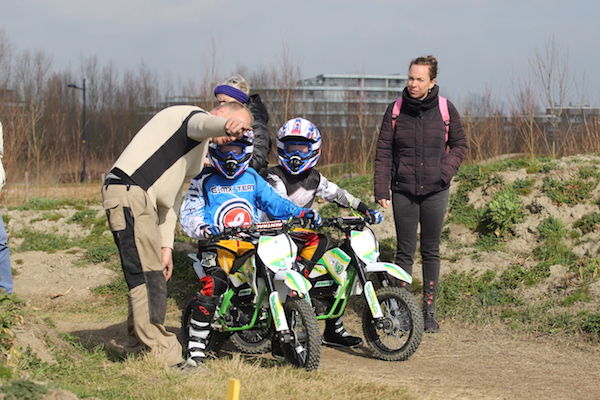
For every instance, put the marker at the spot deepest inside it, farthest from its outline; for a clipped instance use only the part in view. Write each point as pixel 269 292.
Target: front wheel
pixel 397 335
pixel 304 351
pixel 253 341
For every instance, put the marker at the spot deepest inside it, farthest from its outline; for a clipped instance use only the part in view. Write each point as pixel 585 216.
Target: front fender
pixel 293 280
pixel 392 269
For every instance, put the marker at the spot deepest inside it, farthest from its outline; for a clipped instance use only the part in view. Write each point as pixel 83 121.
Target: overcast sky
pixel 480 44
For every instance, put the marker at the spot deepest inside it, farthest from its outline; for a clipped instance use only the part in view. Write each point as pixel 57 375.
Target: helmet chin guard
pixel 232 159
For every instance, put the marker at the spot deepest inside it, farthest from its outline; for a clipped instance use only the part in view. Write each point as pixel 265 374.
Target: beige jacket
pixel 166 154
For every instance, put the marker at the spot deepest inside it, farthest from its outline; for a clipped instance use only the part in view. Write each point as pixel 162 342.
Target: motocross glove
pixel 208 231
pixel 373 216
pixel 310 215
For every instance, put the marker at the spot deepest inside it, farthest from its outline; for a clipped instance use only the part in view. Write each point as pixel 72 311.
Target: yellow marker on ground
pixel 233 389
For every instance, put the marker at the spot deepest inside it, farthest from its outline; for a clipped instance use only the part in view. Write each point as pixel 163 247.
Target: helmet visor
pixel 299 148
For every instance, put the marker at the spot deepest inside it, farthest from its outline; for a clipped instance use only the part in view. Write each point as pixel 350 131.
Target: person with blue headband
pixel 236 89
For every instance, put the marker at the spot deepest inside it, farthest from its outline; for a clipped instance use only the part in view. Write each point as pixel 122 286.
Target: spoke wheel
pixel 398 335
pixel 304 351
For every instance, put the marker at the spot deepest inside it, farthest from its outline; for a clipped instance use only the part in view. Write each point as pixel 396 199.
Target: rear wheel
pixel 398 334
pixel 304 351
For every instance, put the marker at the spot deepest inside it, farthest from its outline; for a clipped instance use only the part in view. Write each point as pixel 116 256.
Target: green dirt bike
pixel 266 296
pixel 392 321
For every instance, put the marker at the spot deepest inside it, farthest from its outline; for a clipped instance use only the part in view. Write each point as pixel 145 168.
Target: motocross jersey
pixel 213 199
pixel 302 189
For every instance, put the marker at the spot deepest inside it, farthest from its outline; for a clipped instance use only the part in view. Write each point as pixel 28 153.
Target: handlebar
pixel 269 228
pixel 344 223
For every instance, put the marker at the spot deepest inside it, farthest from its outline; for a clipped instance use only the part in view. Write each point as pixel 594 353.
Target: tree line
pixel 42 115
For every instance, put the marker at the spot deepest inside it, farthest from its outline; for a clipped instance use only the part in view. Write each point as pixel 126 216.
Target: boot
pixel 429 293
pixel 335 335
pixel 199 330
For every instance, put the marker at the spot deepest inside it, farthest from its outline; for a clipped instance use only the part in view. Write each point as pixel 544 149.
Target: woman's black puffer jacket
pixel 412 158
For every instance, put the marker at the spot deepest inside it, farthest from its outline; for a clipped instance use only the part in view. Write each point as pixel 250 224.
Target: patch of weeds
pixel 23 390
pixel 541 165
pixel 522 187
pixel 588 223
pixel 569 192
pixel 558 323
pixel 330 210
pixel 116 288
pixel 581 295
pixel 360 186
pixel 5 219
pixel 40 241
pixel 43 203
pixel 85 218
pixel 587 269
pixel 101 253
pixel 588 172
pixel 489 242
pixel 502 213
pixel 590 323
pixel 555 253
pixel 517 275
pixel 11 311
pixel 48 216
pixel 551 229
pixel 510 164
pixel 471 294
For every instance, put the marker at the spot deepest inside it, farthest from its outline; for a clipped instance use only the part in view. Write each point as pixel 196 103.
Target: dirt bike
pixel 266 296
pixel 392 321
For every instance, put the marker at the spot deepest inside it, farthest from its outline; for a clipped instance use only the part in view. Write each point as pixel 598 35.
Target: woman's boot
pixel 429 294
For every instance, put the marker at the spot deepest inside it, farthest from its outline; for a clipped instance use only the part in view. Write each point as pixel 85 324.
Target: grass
pixel 569 192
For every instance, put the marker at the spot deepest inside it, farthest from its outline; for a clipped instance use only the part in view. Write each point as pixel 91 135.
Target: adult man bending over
pixel 142 195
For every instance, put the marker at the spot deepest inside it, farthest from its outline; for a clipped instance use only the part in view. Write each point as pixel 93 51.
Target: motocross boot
pixel 336 335
pixel 198 328
pixel 429 293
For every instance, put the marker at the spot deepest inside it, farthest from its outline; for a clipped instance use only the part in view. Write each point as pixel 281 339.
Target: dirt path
pixel 484 364
pixel 456 363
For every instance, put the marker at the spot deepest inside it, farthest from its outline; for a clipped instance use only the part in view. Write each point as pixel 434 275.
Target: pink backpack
pixel 443 105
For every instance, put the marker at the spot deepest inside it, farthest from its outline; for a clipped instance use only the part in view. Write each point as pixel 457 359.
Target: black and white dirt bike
pixel 392 321
pixel 267 297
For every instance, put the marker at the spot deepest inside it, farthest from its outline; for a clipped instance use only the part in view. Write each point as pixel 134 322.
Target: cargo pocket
pixel 115 214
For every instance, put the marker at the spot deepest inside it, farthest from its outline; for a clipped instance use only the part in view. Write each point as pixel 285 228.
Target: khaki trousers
pixel 133 220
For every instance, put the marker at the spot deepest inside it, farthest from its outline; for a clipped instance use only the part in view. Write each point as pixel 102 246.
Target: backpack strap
pixel 443 106
pixel 396 111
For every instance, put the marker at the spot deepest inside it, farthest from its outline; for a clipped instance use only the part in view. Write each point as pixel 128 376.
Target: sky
pixel 482 46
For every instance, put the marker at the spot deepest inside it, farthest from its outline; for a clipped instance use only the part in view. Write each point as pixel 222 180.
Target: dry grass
pixel 18 193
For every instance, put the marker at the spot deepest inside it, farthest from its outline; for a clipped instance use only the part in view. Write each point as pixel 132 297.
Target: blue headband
pixel 232 92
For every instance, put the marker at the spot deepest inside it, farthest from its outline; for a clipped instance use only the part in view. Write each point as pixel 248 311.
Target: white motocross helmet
pixel 298 145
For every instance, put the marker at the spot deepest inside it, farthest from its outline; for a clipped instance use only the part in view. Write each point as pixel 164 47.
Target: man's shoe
pixel 343 340
pixel 430 323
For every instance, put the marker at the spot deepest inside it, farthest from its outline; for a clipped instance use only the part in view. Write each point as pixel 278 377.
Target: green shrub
pixel 552 229
pixel 84 217
pixel 40 241
pixel 588 223
pixel 588 171
pixel 523 186
pixel 503 213
pixel 568 192
pixel 590 323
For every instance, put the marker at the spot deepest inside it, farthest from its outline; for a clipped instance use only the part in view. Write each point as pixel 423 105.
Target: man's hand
pixel 385 203
pixel 167 261
pixel 235 127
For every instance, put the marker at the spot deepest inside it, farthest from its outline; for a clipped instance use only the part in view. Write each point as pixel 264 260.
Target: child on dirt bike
pixel 298 150
pixel 228 194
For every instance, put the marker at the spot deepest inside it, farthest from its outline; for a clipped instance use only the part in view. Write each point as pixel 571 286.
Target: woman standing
pixel 417 156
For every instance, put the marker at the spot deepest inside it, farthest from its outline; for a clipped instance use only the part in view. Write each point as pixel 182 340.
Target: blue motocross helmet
pixel 233 158
pixel 298 145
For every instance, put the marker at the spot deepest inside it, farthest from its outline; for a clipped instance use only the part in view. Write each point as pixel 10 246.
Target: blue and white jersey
pixel 213 199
